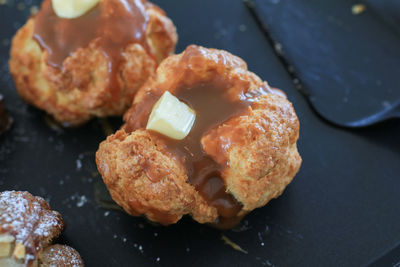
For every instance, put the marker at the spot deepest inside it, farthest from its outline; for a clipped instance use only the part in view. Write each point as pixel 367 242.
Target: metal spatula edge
pixel 393 112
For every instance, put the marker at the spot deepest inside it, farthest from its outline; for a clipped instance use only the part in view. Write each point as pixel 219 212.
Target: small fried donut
pixel 240 153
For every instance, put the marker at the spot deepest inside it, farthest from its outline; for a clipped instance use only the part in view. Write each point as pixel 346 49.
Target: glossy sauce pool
pixel 213 107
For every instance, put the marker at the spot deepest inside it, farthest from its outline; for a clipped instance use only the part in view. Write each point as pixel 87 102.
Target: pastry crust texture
pixel 260 162
pixel 28 226
pixel 80 90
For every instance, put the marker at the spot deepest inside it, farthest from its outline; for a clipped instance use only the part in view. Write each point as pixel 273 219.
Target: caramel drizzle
pixel 112 25
pixel 213 107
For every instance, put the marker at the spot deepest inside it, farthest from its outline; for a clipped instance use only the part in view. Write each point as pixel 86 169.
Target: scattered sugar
pixel 81 201
pixel 78 164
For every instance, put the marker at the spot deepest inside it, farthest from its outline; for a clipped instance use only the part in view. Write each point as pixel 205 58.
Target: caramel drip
pixel 212 109
pixel 112 25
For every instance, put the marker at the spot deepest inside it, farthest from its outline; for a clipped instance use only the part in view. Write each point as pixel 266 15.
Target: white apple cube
pixel 171 117
pixel 71 9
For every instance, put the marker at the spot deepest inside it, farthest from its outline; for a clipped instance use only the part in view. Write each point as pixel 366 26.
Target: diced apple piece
pixel 70 9
pixel 171 117
pixel 6 242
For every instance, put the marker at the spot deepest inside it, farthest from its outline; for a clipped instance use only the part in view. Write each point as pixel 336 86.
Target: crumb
pixel 357 9
pixel 278 48
pixel 242 28
pixel 33 10
pixel 80 200
pixel 232 244
pixel 106 213
pixel 78 164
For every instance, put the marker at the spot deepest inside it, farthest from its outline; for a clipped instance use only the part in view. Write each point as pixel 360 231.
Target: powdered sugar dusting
pixel 59 255
pixel 29 219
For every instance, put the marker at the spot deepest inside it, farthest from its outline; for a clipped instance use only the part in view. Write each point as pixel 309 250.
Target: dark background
pixel 342 209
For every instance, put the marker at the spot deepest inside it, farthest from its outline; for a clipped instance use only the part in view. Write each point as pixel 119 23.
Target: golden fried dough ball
pixel 240 153
pixel 27 228
pixel 76 69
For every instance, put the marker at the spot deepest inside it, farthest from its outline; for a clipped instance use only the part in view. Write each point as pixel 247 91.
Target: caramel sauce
pixel 215 101
pixel 112 24
pixel 212 109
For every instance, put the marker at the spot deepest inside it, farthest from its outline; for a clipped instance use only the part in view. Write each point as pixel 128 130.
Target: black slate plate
pixel 342 209
pixel 348 61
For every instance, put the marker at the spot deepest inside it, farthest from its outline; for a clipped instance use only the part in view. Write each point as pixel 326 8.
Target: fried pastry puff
pixel 76 69
pixel 27 228
pixel 240 153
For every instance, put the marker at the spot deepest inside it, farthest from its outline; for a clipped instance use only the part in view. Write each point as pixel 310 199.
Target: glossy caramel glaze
pixel 213 104
pixel 113 24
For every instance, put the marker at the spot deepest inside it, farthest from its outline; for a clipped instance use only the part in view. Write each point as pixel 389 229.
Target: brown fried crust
pixel 261 162
pixel 120 160
pixel 80 90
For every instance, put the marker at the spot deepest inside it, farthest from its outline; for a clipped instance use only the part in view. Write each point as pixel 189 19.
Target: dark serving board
pixel 348 61
pixel 342 209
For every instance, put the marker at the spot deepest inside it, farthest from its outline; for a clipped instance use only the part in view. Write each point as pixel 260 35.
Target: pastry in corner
pixel 27 228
